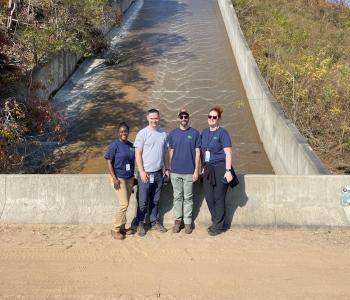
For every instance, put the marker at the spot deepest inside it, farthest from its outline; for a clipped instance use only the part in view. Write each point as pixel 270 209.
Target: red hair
pixel 218 109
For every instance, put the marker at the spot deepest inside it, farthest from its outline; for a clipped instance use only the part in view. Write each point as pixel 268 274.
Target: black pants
pixel 215 193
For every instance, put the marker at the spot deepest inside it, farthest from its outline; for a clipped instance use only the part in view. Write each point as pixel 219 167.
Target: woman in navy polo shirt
pixel 216 150
pixel 120 158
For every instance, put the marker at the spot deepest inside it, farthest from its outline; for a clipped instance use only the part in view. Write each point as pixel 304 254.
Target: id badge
pixel 127 167
pixel 151 178
pixel 207 156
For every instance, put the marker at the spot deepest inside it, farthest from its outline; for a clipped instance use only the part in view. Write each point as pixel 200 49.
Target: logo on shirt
pixel 215 138
pixel 189 137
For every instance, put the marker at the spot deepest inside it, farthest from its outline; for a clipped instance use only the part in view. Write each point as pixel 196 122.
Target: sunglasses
pixel 183 117
pixel 212 117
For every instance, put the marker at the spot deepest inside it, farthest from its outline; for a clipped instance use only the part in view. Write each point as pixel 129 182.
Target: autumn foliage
pixel 18 122
pixel 302 48
pixel 39 29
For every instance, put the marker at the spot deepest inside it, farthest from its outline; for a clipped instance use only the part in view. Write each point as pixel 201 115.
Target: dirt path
pixel 83 262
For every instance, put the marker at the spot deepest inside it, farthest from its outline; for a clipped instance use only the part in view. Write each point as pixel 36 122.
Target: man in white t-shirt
pixel 150 150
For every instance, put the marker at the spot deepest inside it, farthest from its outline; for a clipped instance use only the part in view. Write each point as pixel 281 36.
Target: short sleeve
pixel 225 139
pixel 198 140
pixel 202 139
pixel 111 150
pixel 166 141
pixel 139 140
pixel 170 141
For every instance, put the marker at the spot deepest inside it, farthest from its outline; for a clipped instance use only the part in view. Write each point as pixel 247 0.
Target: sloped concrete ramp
pixel 173 54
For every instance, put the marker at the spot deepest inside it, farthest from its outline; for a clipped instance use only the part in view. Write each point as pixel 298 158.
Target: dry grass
pixel 303 51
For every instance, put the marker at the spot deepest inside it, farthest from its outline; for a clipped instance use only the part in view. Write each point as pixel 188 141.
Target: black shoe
pixel 210 228
pixel 214 232
pixel 128 231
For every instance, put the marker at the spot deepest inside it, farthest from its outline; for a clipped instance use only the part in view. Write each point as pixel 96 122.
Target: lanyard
pixel 209 141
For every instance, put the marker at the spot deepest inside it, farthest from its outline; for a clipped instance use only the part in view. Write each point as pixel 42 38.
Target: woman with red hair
pixel 216 148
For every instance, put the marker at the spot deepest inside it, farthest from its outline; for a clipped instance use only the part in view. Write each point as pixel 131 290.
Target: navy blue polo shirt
pixel 184 143
pixel 215 142
pixel 121 154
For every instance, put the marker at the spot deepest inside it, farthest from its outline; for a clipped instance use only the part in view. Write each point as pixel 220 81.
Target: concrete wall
pixel 287 149
pixel 51 75
pixel 259 200
pixel 125 4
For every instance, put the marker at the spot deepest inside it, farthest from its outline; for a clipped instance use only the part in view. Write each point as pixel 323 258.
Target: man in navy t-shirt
pixel 184 156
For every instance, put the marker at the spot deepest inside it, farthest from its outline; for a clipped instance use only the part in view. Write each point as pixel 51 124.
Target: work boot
pixel 177 226
pixel 117 235
pixel 159 227
pixel 188 228
pixel 141 231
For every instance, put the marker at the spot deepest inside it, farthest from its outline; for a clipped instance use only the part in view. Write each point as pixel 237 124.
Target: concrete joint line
pixel 347 213
pixel 3 208
pixel 274 202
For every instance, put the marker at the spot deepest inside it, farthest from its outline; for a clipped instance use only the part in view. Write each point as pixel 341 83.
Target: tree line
pixel 32 31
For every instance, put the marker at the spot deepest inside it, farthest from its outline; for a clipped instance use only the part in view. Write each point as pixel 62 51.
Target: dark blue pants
pixel 148 197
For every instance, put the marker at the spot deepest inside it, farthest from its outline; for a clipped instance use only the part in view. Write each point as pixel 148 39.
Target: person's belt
pixel 154 171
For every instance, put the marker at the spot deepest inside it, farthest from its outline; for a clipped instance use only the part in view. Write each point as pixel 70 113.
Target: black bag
pixel 234 182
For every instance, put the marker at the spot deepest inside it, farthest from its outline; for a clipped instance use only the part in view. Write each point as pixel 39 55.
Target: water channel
pixel 174 54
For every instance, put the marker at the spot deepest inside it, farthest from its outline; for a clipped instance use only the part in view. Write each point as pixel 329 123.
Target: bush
pixel 302 49
pixel 49 26
pixel 17 121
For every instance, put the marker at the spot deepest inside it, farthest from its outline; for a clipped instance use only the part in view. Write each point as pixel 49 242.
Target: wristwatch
pixel 228 170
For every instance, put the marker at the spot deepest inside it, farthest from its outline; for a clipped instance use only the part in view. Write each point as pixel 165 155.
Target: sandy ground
pixel 84 262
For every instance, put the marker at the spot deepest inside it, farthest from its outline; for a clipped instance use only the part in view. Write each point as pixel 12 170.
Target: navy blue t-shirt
pixel 215 142
pixel 184 143
pixel 121 154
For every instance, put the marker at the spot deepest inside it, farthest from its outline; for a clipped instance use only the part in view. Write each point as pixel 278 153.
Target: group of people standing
pixel 182 156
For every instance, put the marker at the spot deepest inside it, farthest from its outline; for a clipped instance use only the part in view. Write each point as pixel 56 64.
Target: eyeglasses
pixel 212 117
pixel 183 117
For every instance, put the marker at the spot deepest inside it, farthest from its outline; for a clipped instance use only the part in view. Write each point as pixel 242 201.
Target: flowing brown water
pixel 176 54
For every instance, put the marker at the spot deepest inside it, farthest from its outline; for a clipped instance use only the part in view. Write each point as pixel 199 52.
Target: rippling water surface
pixel 175 54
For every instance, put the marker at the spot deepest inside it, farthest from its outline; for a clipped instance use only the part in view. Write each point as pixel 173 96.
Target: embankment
pixel 288 151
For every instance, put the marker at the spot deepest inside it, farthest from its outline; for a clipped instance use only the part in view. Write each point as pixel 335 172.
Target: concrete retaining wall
pixel 51 75
pixel 287 149
pixel 259 200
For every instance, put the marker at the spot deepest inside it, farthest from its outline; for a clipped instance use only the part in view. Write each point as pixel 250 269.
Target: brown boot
pixel 159 227
pixel 117 235
pixel 177 226
pixel 188 228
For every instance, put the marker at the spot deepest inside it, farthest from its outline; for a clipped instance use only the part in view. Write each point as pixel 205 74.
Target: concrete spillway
pixel 174 54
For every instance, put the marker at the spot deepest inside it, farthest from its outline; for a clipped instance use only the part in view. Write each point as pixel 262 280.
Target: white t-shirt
pixel 152 143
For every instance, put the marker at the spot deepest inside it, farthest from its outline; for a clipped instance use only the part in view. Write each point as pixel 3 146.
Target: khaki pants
pixel 123 196
pixel 183 196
